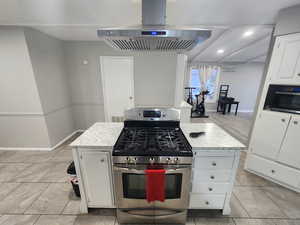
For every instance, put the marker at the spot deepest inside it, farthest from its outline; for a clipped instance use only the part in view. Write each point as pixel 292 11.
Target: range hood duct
pixel 154 34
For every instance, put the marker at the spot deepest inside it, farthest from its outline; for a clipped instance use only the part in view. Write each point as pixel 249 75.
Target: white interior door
pixel 118 86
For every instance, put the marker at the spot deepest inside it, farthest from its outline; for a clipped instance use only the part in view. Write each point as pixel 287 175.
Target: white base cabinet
pixel 289 153
pixel 268 133
pixel 213 176
pixel 95 178
pixel 274 171
pixel 274 148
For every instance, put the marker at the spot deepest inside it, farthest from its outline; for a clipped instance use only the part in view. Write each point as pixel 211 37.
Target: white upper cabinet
pixel 290 150
pixel 268 133
pixel 286 60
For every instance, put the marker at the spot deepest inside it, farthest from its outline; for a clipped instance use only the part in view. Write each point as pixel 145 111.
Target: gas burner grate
pixel 159 141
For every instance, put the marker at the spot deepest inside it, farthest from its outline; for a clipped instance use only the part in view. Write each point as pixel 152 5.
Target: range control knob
pixel 176 160
pixel 132 160
pixel 151 160
pixel 168 160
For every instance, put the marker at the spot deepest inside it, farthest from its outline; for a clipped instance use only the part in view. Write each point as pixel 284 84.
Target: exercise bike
pixel 199 111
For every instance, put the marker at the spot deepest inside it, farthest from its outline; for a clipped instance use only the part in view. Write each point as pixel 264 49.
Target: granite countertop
pixel 104 135
pixel 214 138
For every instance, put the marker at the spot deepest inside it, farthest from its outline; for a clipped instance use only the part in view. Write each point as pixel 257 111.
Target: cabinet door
pixel 268 133
pixel 289 68
pixel 97 178
pixel 290 152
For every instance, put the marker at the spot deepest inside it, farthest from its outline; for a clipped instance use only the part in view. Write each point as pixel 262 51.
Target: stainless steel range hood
pixel 153 34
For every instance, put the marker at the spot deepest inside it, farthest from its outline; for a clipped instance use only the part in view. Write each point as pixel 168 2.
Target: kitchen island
pixel 215 162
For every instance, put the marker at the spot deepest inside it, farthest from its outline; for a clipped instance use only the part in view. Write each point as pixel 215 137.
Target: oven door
pixel 131 189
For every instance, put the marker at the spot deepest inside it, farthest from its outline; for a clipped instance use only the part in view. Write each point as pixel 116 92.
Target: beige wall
pixel 244 81
pixel 154 79
pixel 46 91
pixel 47 58
pixel 21 114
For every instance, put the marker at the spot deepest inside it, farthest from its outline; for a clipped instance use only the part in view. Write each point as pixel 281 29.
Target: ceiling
pixel 228 20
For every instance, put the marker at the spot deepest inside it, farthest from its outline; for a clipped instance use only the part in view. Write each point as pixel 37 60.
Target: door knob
pixel 283 120
pixel 130 97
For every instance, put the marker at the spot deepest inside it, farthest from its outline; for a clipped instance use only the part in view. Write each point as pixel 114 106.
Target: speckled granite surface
pixel 214 138
pixel 104 135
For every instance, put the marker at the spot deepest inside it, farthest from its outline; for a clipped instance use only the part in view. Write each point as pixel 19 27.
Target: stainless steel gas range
pixel 152 168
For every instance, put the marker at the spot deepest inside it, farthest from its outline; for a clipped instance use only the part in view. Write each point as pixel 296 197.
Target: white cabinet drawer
pixel 206 201
pixel 201 175
pixel 274 170
pixel 213 162
pixel 210 188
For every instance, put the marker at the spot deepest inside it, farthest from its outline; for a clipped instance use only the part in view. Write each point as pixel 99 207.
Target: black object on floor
pixel 196 134
pixel 76 189
pixel 71 169
pixel 73 178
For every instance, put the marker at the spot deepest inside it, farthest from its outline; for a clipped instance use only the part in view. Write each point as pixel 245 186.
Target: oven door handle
pixel 142 171
pixel 165 216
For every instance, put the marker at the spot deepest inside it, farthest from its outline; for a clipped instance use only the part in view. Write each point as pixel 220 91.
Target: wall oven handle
pixel 142 171
pixel 287 93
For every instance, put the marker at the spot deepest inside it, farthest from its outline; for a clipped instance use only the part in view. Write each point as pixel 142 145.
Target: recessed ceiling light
pixel 248 33
pixel 220 51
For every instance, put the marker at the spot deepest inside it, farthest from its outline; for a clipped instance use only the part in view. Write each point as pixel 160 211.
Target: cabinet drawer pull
pixel 210 189
pixel 212 177
pixel 272 171
pixel 298 74
pixel 207 202
pixel 214 164
pixel 102 160
pixel 283 120
pixel 295 122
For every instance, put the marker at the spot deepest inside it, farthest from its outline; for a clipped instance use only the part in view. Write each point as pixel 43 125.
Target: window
pixel 195 81
pixel 209 74
pixel 212 85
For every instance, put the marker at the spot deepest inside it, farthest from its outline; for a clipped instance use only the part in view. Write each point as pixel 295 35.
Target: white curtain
pixel 209 78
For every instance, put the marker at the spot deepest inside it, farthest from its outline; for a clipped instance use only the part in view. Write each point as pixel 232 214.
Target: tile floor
pixel 34 190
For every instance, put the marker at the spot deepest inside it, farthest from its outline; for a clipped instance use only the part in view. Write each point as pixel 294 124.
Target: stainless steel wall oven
pixel 283 98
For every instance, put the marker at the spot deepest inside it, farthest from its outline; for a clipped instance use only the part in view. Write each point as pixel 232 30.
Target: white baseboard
pixel 63 140
pixel 24 149
pixel 40 149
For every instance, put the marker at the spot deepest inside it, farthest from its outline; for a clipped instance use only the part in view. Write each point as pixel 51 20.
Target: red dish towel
pixel 155 185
